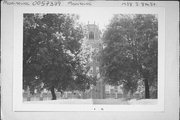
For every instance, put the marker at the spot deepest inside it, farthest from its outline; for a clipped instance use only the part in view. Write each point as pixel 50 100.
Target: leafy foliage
pixel 51 47
pixel 131 50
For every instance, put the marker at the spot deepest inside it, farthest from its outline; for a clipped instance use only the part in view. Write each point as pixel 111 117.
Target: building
pixel 93 40
pixel 101 90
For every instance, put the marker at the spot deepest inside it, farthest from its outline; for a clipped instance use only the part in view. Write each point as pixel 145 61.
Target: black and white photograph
pixel 100 60
pixel 90 59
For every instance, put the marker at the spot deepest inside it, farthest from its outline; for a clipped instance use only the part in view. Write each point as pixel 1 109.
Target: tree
pixel 131 50
pixel 51 47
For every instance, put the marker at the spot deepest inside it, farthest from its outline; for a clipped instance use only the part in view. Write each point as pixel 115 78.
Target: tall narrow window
pixel 97 69
pixel 91 35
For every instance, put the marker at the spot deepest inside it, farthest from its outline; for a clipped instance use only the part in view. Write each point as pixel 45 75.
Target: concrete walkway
pixel 96 101
pixel 63 101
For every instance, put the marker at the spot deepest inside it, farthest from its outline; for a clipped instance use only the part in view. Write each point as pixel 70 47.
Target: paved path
pixel 110 101
pixel 96 101
pixel 81 101
pixel 64 101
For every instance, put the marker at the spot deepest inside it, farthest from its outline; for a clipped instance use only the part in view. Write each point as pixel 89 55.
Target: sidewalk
pixel 63 101
pixel 97 101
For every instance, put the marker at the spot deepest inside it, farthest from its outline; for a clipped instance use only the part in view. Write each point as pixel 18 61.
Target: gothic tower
pixel 93 39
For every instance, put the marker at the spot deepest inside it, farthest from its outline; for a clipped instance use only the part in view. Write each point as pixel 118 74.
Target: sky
pixel 100 17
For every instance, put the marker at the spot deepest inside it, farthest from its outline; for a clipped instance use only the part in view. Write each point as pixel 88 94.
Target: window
pixel 91 35
pixel 97 69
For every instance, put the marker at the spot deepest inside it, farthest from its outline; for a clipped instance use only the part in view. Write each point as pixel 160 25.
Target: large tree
pixel 51 48
pixel 131 51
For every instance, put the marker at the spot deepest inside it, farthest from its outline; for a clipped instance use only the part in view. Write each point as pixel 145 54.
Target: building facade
pixel 93 40
pixel 101 90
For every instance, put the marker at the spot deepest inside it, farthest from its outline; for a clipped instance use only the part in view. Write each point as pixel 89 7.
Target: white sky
pixel 100 17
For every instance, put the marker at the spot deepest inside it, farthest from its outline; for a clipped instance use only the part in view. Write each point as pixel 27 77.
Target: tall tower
pixel 93 39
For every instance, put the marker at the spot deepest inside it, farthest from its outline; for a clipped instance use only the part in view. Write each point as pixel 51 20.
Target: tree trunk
pixel 62 93
pixel 145 75
pixel 147 95
pixel 53 93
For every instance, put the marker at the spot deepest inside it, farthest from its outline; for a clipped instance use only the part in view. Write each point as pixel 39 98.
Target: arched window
pixel 91 35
